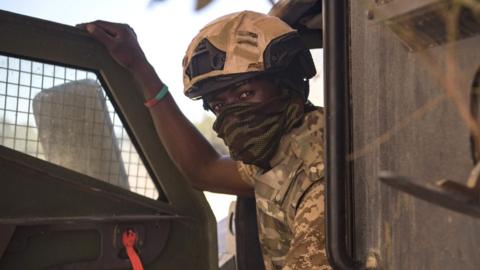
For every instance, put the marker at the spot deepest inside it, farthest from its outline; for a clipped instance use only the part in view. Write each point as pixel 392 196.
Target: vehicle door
pixel 81 164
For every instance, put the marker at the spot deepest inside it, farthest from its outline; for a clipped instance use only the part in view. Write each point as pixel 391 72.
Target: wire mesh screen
pixel 63 115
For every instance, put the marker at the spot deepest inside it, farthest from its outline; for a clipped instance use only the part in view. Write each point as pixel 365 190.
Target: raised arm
pixel 191 152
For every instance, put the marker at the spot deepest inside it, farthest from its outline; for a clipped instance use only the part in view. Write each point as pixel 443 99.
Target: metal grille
pixel 63 115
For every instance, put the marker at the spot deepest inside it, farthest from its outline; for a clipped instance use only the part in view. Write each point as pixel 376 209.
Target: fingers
pixel 100 35
pixel 111 28
pixel 119 39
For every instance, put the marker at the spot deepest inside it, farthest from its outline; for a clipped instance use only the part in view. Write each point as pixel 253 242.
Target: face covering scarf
pixel 252 131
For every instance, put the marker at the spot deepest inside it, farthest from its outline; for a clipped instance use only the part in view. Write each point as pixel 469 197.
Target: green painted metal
pixel 48 190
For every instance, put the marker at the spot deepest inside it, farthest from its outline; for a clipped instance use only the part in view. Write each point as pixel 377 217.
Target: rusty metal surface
pixel 447 193
pixel 387 9
pixel 403 121
pixel 423 24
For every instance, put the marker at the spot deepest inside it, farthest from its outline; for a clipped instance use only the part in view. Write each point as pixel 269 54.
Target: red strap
pixel 129 238
pixel 151 102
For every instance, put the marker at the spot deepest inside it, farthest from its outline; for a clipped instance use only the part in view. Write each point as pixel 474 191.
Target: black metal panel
pixel 337 94
pixel 249 255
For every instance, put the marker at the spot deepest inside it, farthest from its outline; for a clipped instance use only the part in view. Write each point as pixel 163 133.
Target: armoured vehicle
pixel 81 164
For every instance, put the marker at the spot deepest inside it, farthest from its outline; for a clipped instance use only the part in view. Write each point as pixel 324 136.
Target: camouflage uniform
pixel 290 199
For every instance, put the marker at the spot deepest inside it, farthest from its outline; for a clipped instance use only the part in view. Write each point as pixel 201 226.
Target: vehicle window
pixel 63 115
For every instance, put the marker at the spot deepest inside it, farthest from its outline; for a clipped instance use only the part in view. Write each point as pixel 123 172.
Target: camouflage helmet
pixel 240 46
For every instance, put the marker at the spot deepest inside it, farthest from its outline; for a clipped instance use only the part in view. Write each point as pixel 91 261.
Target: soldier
pixel 251 70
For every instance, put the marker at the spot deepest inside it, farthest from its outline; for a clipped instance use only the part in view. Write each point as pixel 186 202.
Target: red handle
pixel 129 238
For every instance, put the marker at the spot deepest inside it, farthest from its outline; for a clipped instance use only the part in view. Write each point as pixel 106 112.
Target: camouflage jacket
pixel 297 167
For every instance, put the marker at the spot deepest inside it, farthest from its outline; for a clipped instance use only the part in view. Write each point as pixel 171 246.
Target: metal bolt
pixel 372 262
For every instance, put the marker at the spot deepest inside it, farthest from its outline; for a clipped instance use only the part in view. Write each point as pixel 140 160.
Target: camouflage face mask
pixel 252 131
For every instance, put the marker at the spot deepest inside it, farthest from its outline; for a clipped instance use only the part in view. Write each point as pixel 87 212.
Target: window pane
pixel 62 115
pixel 3 61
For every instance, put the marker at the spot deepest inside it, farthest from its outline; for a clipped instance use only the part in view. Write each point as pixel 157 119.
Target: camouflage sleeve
pixel 307 250
pixel 247 172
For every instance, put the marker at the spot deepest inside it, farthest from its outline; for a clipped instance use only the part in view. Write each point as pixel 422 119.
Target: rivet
pixel 372 262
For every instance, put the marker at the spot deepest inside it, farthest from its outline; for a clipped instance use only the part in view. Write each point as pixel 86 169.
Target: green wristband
pixel 162 93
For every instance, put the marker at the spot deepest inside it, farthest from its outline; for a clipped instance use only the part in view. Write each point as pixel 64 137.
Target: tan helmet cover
pixel 243 36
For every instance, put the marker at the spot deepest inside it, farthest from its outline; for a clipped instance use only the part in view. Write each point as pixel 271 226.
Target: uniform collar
pixel 298 141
